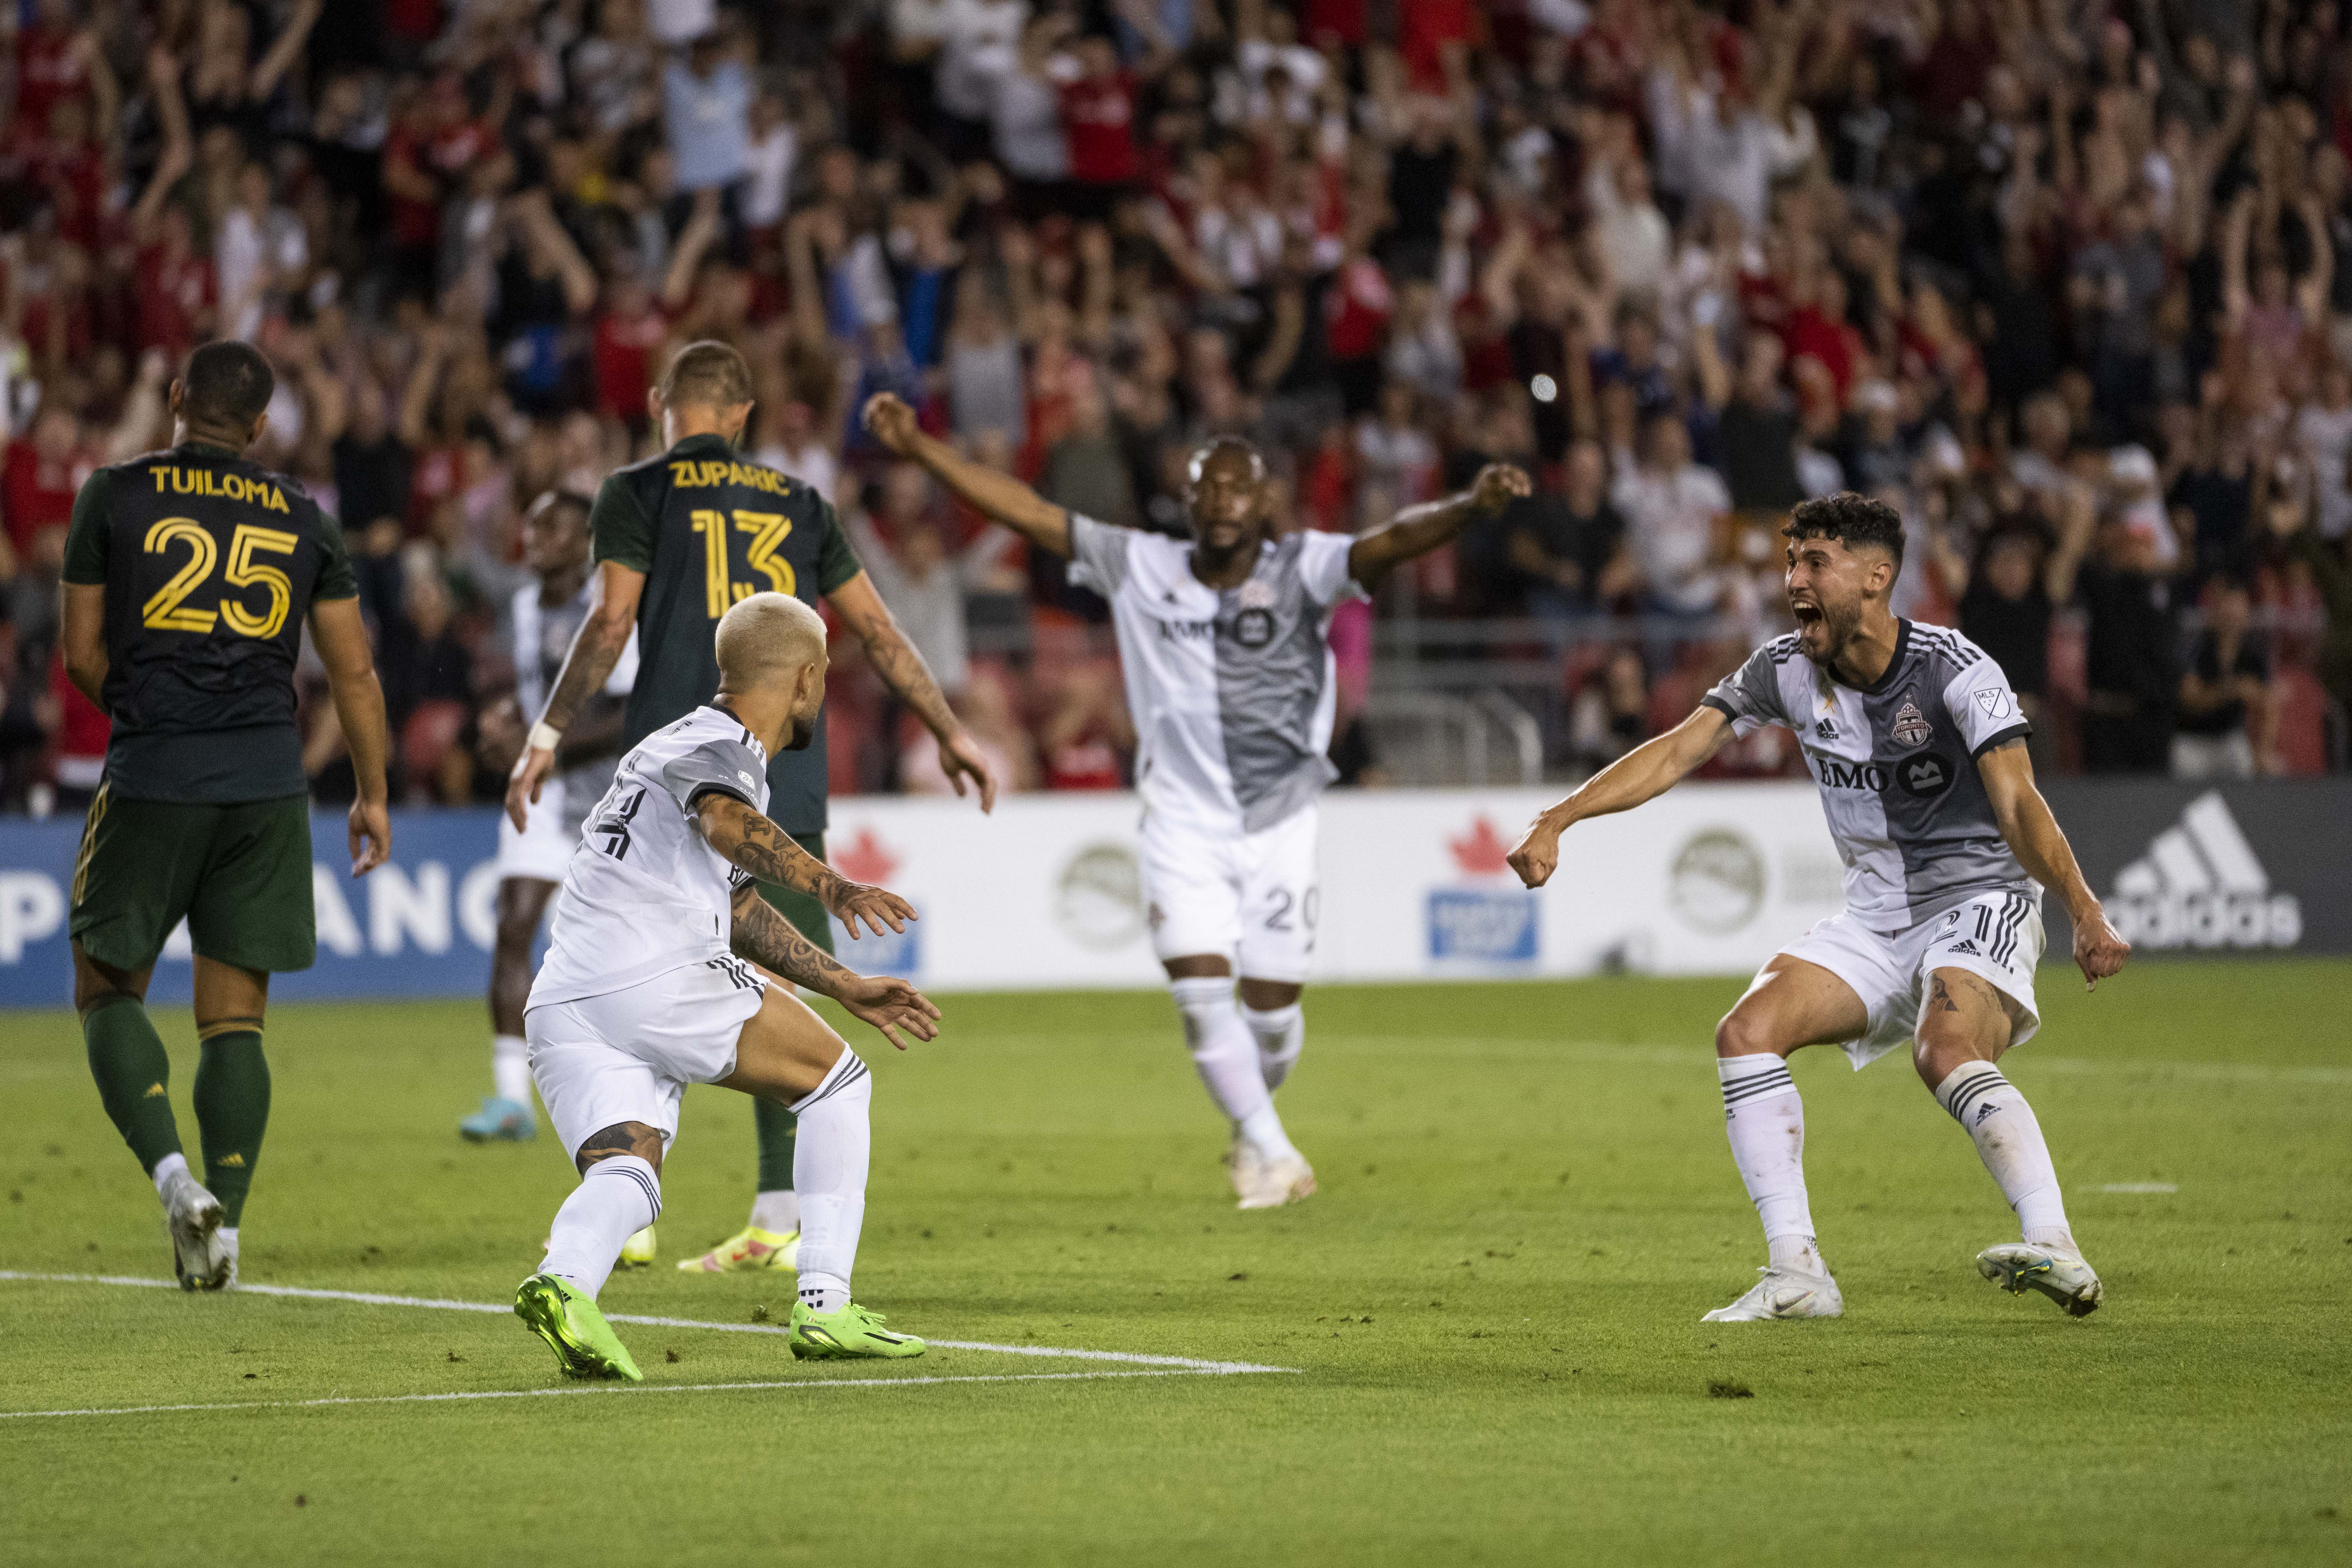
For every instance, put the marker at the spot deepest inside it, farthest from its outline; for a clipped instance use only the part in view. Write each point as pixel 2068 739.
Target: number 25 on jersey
pixel 168 611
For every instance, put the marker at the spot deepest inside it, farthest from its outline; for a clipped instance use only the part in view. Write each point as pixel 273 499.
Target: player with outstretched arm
pixel 1223 641
pixel 646 990
pixel 1916 740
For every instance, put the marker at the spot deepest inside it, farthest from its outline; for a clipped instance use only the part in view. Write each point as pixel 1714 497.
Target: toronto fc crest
pixel 1911 726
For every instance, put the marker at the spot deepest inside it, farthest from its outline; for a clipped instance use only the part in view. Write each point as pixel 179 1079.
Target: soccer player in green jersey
pixel 189 575
pixel 679 539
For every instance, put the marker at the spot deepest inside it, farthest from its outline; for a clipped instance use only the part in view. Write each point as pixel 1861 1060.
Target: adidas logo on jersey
pixel 1825 730
pixel 2201 885
pixel 1964 950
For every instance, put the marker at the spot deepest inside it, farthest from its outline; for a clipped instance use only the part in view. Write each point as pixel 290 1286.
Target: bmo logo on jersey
pixel 1921 776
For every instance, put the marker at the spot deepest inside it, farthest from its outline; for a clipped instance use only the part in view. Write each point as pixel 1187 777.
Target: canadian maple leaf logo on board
pixel 1482 852
pixel 864 858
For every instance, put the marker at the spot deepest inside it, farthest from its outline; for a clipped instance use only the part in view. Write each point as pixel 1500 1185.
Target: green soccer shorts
pixel 240 873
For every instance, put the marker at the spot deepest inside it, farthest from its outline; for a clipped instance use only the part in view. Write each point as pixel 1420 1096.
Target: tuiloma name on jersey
pixel 172 479
pixel 697 474
pixel 1186 631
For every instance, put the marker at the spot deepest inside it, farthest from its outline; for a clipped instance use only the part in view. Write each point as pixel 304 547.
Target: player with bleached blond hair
pixel 645 989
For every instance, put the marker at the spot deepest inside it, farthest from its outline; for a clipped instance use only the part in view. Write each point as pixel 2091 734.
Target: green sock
pixel 231 1112
pixel 778 1132
pixel 133 1073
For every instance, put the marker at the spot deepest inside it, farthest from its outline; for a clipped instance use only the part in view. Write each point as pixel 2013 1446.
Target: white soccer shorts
pixel 628 1055
pixel 1251 898
pixel 1997 937
pixel 541 850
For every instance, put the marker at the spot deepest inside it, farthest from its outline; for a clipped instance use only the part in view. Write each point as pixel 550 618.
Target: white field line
pixel 1174 1364
pixel 2141 1187
pixel 803 1386
pixel 1698 1055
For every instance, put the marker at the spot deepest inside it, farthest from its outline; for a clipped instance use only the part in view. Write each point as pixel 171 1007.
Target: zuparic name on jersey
pixel 207 482
pixel 697 474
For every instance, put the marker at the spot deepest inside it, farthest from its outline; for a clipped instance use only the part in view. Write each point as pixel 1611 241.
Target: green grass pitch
pixel 1491 1307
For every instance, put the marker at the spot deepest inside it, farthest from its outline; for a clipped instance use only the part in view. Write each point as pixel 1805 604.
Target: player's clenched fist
pixel 891 1005
pixel 1538 853
pixel 853 902
pixel 2098 950
pixel 891 422
pixel 1496 485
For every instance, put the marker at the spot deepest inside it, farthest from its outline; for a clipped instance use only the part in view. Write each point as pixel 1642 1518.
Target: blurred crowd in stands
pixel 2067 281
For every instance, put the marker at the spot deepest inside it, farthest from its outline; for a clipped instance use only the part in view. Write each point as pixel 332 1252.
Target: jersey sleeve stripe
pixel 2017 731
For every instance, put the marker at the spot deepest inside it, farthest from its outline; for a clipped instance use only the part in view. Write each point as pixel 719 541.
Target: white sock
pixel 829 1161
pixel 777 1212
pixel 2009 1141
pixel 618 1198
pixel 1281 1036
pixel 510 1068
pixel 169 1169
pixel 1765 1117
pixel 1227 1059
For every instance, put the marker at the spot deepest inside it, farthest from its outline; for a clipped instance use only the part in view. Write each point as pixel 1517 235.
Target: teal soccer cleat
pixel 499 1122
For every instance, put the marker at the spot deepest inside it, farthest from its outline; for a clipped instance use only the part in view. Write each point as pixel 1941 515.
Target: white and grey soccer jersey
pixel 1896 767
pixel 542 637
pixel 644 893
pixel 1232 690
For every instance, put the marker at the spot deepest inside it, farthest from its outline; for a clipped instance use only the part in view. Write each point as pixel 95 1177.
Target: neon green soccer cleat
pixel 638 1252
pixel 584 1345
pixel 848 1331
pixel 748 1251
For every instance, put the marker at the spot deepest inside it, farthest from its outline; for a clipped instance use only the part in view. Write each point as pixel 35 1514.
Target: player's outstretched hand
pixel 853 902
pixel 961 754
pixel 370 836
pixel 1537 855
pixel 891 422
pixel 530 771
pixel 1498 485
pixel 890 1005
pixel 2098 950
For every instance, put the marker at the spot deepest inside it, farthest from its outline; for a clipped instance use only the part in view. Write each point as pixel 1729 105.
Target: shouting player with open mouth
pixel 1223 642
pixel 1917 741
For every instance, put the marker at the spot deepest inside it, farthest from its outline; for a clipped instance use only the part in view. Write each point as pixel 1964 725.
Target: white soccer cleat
pixel 2058 1272
pixel 1243 1165
pixel 1274 1183
pixel 1783 1292
pixel 202 1259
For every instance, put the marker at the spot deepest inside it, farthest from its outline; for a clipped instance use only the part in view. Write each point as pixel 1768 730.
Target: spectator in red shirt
pixel 630 329
pixel 1099 113
pixel 58 59
pixel 41 473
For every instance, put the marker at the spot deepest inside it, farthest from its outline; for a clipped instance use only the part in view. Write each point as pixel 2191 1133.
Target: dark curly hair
pixel 1851 519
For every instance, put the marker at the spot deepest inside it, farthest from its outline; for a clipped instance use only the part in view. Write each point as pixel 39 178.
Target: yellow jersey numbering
pixel 693 473
pixel 171 479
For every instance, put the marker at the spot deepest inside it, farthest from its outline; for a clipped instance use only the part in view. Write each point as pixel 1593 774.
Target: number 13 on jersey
pixel 766 532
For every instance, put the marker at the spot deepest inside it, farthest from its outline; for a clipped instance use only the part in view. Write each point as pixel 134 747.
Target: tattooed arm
pixel 752 842
pixel 602 636
pixel 902 669
pixel 768 940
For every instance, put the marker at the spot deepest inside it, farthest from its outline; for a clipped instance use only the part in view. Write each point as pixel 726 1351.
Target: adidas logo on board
pixel 2201 885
